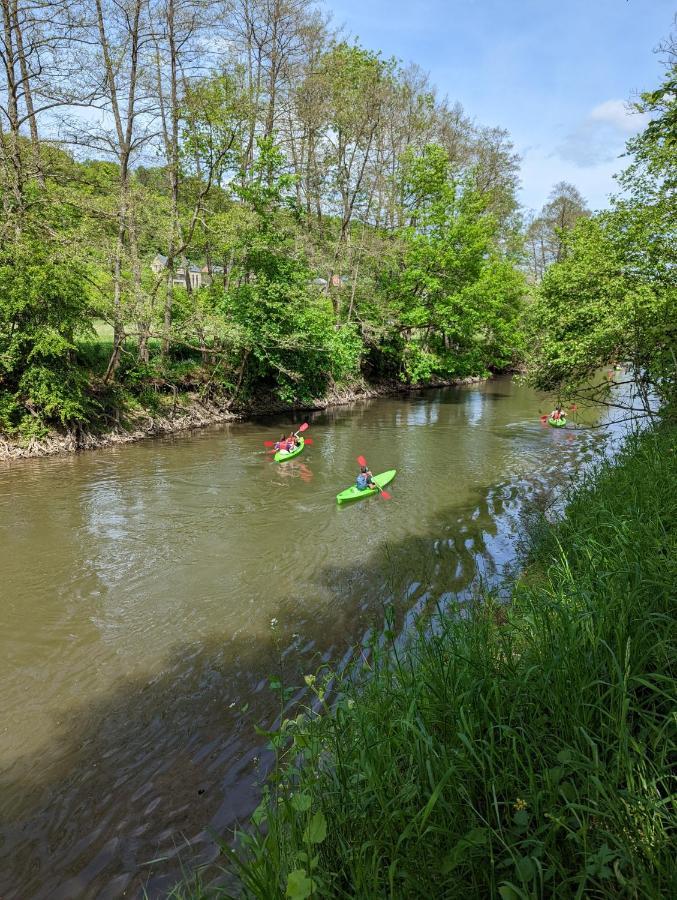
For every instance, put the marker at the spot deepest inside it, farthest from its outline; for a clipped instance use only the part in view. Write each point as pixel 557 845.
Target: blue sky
pixel 555 73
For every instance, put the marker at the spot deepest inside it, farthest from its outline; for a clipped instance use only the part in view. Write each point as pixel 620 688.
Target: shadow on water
pixel 168 561
pixel 153 765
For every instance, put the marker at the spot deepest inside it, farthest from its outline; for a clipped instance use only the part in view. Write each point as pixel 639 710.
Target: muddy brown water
pixel 138 587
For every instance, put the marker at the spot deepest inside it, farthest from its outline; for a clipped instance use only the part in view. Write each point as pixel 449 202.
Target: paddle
pixel 361 461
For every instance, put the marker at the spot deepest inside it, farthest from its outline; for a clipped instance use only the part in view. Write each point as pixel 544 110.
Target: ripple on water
pixel 138 590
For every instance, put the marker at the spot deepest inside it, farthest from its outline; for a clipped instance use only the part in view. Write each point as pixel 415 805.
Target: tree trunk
pixel 28 96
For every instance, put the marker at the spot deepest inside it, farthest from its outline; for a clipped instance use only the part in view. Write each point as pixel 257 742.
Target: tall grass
pixel 516 751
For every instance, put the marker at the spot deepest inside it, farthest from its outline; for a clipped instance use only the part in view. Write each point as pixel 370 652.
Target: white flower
pixel 273 624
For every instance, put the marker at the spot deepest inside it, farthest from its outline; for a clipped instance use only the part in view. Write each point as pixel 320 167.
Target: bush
pixel 43 303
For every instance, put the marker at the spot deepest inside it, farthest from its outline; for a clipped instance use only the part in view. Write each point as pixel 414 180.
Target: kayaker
pixel 282 443
pixel 557 414
pixel 365 479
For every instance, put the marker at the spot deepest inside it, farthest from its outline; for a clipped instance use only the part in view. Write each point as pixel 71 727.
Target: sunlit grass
pixel 518 752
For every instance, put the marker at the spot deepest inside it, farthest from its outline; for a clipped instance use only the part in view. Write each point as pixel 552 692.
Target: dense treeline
pixel 612 294
pixel 228 197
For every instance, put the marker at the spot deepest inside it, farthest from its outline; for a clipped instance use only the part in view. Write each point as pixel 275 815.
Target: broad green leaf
pixel 299 885
pixel 301 802
pixel 316 831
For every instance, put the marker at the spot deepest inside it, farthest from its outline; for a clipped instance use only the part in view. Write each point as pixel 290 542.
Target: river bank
pixel 190 411
pixel 515 750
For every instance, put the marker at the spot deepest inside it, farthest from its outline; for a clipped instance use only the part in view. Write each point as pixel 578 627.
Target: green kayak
pixel 284 456
pixel 353 493
pixel 557 423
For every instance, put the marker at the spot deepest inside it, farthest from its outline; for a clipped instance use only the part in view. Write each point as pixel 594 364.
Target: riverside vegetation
pixel 231 203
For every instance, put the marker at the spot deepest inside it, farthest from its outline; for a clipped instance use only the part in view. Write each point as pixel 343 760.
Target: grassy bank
pixel 520 751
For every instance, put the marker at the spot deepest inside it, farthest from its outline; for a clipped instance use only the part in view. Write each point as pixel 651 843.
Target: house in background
pixel 199 275
pixel 338 281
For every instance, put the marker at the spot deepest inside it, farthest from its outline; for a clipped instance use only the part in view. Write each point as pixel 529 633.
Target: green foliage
pixel 591 311
pixel 43 303
pixel 433 299
pixel 514 751
pixel 284 332
pixel 456 295
pixel 614 295
pixel 215 113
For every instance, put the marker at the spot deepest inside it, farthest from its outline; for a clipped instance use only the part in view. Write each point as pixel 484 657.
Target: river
pixel 138 589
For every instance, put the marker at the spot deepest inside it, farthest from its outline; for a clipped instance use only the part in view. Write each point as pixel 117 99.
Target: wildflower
pixel 273 624
pixel 519 805
pixel 310 680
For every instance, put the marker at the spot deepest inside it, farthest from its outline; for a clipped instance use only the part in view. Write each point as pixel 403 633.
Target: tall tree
pixel 546 234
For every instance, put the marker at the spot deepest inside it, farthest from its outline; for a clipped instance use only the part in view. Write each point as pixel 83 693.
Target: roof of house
pixel 163 260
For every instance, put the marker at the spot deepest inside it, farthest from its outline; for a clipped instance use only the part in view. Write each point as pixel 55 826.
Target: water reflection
pixel 139 586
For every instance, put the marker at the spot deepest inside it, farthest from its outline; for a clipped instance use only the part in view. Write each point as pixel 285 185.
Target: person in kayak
pixel 365 479
pixel 557 414
pixel 281 444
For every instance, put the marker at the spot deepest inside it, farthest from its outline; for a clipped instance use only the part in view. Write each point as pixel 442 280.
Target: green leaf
pixel 260 814
pixel 568 791
pixel 299 886
pixel 521 819
pixel 525 868
pixel 508 892
pixel 301 802
pixel 476 837
pixel 316 831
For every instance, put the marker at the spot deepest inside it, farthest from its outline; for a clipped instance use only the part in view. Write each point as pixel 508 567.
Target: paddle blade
pixel 361 461
pixel 304 427
pixel 308 441
pixel 544 418
pixel 269 443
pixel 385 494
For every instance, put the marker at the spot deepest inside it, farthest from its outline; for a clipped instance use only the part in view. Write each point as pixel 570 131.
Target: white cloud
pixel 618 114
pixel 602 134
pixel 541 170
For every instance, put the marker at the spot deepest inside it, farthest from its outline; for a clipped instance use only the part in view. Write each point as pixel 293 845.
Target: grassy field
pixel 520 751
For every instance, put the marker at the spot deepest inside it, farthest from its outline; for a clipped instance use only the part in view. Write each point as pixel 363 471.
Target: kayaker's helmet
pixel 363 469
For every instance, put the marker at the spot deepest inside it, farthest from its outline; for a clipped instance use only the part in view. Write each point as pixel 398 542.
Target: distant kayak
pixel 557 423
pixel 354 493
pixel 283 455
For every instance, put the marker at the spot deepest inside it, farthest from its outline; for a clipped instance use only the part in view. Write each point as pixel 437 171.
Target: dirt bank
pixel 193 412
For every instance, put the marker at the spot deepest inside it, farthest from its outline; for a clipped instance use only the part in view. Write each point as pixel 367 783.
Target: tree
pixel 613 294
pixel 546 234
pixel 286 332
pixel 43 305
pixel 454 293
